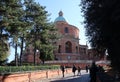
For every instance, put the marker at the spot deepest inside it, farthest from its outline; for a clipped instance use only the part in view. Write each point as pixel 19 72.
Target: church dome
pixel 60 17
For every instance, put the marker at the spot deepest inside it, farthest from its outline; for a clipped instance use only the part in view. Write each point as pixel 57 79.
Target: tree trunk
pixel 34 56
pixel 43 61
pixel 16 57
pixel 21 53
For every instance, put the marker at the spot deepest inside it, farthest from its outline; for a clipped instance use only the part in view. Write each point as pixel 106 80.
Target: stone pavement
pixel 84 77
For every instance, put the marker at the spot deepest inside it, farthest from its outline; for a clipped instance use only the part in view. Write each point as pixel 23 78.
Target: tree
pixel 34 14
pixel 4 46
pixel 102 27
pixel 15 23
pixel 27 21
pixel 4 51
pixel 48 38
pixel 26 27
pixel 39 36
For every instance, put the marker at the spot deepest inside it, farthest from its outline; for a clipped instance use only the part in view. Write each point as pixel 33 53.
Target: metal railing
pixel 78 61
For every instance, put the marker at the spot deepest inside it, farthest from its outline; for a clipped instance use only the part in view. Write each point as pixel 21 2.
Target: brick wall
pixel 31 76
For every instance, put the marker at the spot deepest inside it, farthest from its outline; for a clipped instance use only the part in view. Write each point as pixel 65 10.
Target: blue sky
pixel 71 12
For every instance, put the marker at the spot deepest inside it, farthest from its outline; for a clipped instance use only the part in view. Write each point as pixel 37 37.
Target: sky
pixel 71 12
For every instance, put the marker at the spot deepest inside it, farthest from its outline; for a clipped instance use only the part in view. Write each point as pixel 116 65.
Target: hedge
pixel 11 69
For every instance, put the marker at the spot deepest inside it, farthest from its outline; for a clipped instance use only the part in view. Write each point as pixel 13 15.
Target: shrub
pixel 11 69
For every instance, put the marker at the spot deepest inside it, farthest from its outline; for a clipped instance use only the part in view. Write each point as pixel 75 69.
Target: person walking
pixel 86 67
pixel 74 69
pixel 62 67
pixel 79 70
pixel 93 72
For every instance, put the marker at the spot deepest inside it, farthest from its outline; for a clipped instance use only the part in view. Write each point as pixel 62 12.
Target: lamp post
pixel 37 51
pixel 36 30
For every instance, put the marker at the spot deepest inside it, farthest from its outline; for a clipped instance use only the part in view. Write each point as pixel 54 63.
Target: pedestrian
pixel 86 67
pixel 74 69
pixel 62 67
pixel 79 70
pixel 93 72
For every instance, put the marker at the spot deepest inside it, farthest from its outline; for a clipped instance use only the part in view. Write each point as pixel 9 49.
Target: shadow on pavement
pixel 82 78
pixel 105 77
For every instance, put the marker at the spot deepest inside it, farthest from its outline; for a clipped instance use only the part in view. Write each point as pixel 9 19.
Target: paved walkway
pixel 105 77
pixel 69 78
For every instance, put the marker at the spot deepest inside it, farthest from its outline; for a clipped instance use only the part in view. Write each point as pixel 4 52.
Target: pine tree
pixel 17 26
pixel 48 39
pixel 4 46
pixel 15 23
pixel 26 27
pixel 40 36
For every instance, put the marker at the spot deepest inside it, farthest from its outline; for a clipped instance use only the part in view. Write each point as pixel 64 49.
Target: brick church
pixel 68 46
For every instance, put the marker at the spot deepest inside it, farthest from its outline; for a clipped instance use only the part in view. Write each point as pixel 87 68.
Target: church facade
pixel 68 46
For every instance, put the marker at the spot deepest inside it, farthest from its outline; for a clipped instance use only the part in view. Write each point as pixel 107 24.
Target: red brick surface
pixel 31 76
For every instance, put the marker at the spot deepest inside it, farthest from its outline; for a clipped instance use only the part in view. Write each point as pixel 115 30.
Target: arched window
pixel 59 49
pixel 76 49
pixel 68 47
pixel 66 30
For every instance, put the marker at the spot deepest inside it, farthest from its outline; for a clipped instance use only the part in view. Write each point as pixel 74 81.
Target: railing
pixel 103 62
pixel 72 54
pixel 78 61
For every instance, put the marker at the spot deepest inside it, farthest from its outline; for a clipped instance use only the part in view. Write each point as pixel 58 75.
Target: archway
pixel 68 47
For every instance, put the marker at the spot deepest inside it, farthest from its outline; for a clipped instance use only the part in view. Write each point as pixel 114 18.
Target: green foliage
pixel 43 32
pixel 46 52
pixel 102 21
pixel 12 69
pixel 48 37
pixel 12 22
pixel 4 49
pixel 25 22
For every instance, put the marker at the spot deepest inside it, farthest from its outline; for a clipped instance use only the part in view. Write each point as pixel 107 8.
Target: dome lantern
pixel 60 17
pixel 60 13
